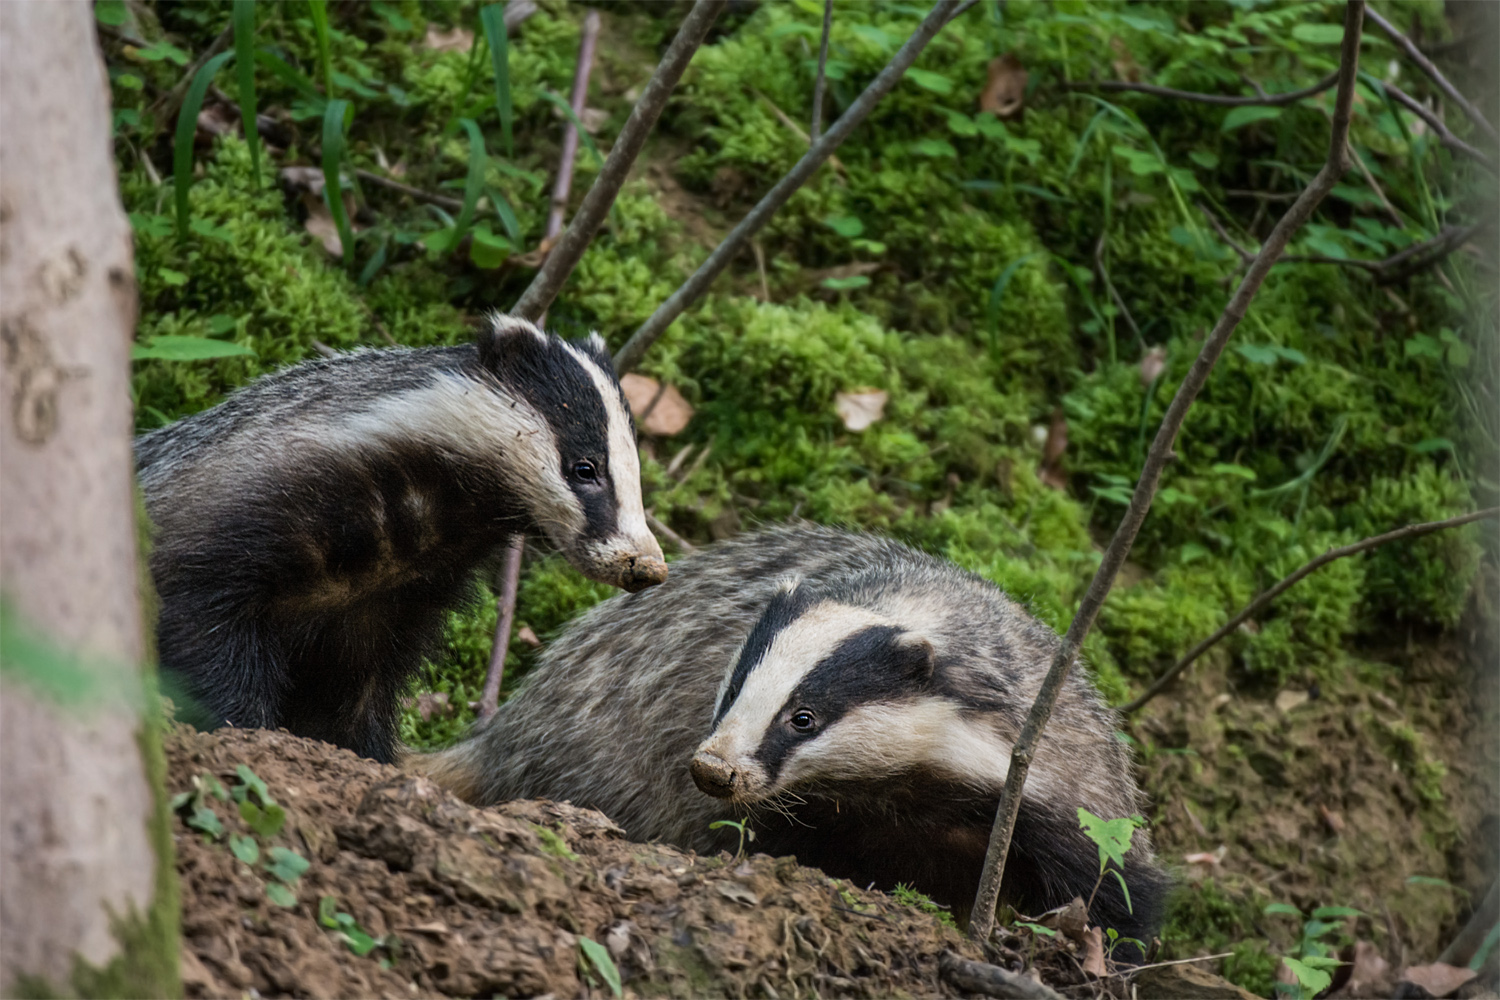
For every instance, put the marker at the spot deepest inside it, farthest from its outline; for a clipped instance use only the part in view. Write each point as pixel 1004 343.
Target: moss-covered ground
pixel 997 279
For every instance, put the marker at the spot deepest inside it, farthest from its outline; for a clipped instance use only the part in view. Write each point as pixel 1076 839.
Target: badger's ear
pixel 595 347
pixel 914 654
pixel 508 336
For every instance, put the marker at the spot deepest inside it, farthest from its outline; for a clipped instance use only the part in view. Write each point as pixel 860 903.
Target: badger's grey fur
pixel 858 699
pixel 313 530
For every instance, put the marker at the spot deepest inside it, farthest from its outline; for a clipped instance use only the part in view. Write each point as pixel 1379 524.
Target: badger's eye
pixel 584 469
pixel 803 721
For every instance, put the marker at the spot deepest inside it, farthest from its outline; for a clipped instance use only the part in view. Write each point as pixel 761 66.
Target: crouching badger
pixel 314 529
pixel 857 699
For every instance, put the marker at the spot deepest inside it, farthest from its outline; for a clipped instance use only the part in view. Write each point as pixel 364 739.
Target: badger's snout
pixel 643 572
pixel 712 775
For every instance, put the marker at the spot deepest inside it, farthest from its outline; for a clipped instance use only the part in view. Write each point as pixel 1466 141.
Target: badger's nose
pixel 643 572
pixel 712 775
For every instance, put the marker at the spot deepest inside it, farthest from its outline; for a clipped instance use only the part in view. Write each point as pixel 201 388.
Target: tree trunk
pixel 87 897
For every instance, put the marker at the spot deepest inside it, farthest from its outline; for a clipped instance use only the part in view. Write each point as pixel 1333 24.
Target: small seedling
pixel 265 817
pixel 196 814
pixel 1112 837
pixel 747 835
pixel 1316 954
pixel 355 937
pixel 598 956
pixel 907 896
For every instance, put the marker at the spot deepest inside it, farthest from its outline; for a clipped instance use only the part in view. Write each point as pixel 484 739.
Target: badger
pixel 314 529
pixel 855 700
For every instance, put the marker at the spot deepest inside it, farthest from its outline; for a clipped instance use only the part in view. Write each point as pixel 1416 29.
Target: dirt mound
pixel 448 900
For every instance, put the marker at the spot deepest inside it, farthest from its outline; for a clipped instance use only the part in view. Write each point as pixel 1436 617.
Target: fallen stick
pixel 991 980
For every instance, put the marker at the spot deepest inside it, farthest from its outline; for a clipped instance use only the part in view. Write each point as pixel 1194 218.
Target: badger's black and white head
pixel 568 437
pixel 825 693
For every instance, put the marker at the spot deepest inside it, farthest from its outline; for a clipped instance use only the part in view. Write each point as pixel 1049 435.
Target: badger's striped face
pixel 825 693
pixel 579 454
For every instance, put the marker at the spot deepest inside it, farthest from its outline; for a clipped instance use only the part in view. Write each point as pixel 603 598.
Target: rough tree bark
pixel 86 893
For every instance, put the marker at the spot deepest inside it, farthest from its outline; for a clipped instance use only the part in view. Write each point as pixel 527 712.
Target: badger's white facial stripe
pixel 810 638
pixel 481 422
pixel 632 536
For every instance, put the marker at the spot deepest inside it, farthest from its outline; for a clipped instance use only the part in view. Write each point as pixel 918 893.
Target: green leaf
pixel 1141 164
pixel 327 907
pixel 390 16
pixel 928 80
pixel 846 284
pixel 1332 912
pixel 493 19
pixel 1433 444
pixel 110 12
pixel 291 76
pixel 567 110
pixel 488 250
pixel 1124 889
pixel 358 941
pixel 1191 552
pixel 171 277
pixel 250 782
pixel 205 228
pixel 847 226
pixel 174 347
pixel 319 11
pixel 506 214
pixel 244 71
pixel 163 50
pixel 337 117
pixel 281 895
pixel 1257 354
pixel 1112 837
pixel 1239 117
pixel 266 821
pixel 221 323
pixel 206 820
pixel 934 148
pixel 598 956
pixel 1285 909
pixel 473 184
pixel 244 848
pixel 1037 928
pixel 1319 34
pixel 285 864
pixel 1230 469
pixel 187 127
pixel 1423 346
pixel 961 124
pixel 1208 161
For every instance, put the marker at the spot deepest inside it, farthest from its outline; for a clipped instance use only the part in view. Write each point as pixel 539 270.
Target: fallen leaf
pixel 1439 979
pixel 1331 819
pixel 617 939
pixel 320 222
pixel 218 119
pixel 534 258
pixel 860 408
pixel 736 892
pixel 435 927
pixel 527 636
pixel 1093 953
pixel 302 180
pixel 1369 974
pixel 1005 90
pixel 455 39
pixel 1213 858
pixel 593 119
pixel 660 409
pixel 1126 68
pixel 1071 920
pixel 1152 365
pixel 429 704
pixel 1289 699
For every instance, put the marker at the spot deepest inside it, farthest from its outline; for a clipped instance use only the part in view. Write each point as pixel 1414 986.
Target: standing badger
pixel 314 529
pixel 857 699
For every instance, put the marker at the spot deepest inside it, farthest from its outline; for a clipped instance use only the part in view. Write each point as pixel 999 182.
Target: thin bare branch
pixel 982 919
pixel 1433 73
pixel 380 180
pixel 991 980
pixel 1261 98
pixel 1246 256
pixel 563 186
pixel 816 127
pixel 635 348
pixel 1269 595
pixel 683 545
pixel 510 583
pixel 1403 264
pixel 1447 137
pixel 591 214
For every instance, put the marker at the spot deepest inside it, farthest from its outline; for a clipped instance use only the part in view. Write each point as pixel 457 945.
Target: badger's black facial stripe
pixel 550 377
pixel 785 608
pixel 868 666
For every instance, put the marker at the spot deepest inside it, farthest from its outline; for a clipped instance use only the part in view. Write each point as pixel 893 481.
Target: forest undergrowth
pixel 1016 292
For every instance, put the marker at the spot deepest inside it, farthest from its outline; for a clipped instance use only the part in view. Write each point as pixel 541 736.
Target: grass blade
pixel 337 117
pixel 289 75
pixel 187 127
pixel 507 215
pixel 493 19
pixel 567 109
pixel 319 11
pixel 474 185
pixel 997 293
pixel 598 956
pixel 244 68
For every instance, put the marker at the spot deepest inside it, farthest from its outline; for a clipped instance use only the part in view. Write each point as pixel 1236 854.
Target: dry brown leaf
pixel 1289 699
pixel 661 410
pixel 320 222
pixel 1331 819
pixel 1213 858
pixel 529 637
pixel 1071 920
pixel 1052 473
pixel 1126 68
pixel 455 39
pixel 1093 953
pixel 218 119
pixel 1152 364
pixel 736 892
pixel 1439 979
pixel 861 407
pixel 534 258
pixel 1005 92
pixel 429 704
pixel 1369 974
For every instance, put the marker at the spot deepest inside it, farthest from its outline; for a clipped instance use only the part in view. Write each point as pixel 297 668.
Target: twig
pixel 164 108
pixel 1110 287
pixel 1450 140
pixel 1245 255
pixel 1403 264
pixel 380 180
pixel 323 348
pixel 1269 595
pixel 1262 195
pixel 1261 99
pixel 982 920
pixel 510 583
pixel 816 126
pixel 1433 74
pixel 1359 161
pixel 991 980
pixel 635 348
pixel 794 128
pixel 510 570
pixel 1175 961
pixel 683 545
pixel 591 214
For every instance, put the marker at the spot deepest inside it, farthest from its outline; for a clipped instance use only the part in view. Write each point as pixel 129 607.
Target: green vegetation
pixel 995 278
